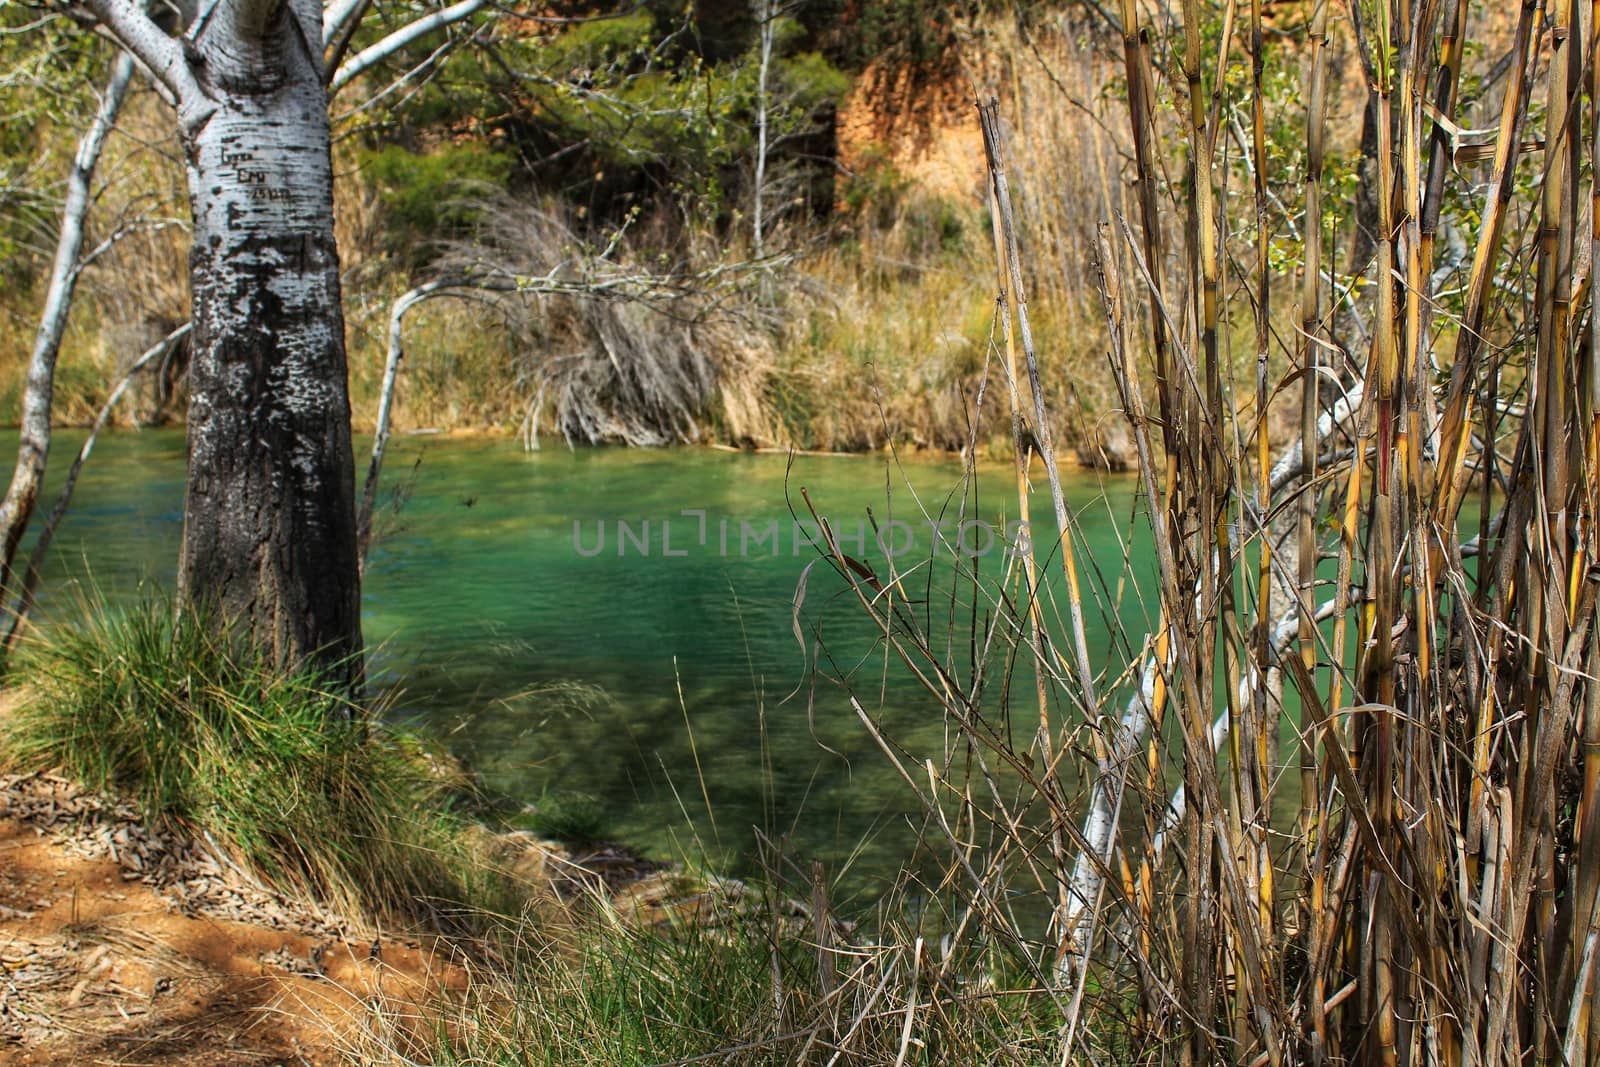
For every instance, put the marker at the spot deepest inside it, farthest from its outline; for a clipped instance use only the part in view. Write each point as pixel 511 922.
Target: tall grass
pixel 608 994
pixel 750 983
pixel 281 769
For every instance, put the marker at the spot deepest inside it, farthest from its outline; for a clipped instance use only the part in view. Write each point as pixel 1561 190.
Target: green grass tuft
pixel 620 996
pixel 571 817
pixel 282 768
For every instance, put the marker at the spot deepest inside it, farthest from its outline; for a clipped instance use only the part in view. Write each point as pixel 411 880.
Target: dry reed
pixel 1347 811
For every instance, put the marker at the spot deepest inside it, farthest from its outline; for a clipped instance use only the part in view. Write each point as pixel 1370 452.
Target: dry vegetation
pixel 854 332
pixel 1339 804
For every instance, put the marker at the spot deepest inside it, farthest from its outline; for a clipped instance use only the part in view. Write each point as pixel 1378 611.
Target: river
pixel 620 625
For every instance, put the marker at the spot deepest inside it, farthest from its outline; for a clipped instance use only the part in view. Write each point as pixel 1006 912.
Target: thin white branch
pixel 423 70
pixel 339 15
pixel 767 14
pixel 30 581
pixel 1283 635
pixel 117 235
pixel 391 373
pixel 400 38
pixel 33 445
pixel 1288 467
pixel 1079 916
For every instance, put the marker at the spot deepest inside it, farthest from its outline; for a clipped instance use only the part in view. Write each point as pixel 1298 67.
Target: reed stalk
pixel 1419 881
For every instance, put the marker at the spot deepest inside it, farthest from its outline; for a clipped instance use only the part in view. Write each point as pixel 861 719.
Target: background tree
pixel 33 446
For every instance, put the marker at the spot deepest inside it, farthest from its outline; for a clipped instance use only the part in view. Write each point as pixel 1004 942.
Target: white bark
pixel 391 374
pixel 34 446
pixel 339 17
pixel 405 35
pixel 47 532
pixel 1292 462
pixel 269 516
pixel 339 25
pixel 766 14
pixel 1088 871
pixel 161 55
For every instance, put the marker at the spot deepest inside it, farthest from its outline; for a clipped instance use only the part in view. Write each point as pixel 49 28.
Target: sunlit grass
pixel 284 769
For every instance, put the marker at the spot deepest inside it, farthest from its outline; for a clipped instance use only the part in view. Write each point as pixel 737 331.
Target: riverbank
pixel 124 943
pixel 208 859
pixel 127 943
pixel 488 629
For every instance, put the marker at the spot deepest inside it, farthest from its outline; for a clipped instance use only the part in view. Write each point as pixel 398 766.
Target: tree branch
pixel 161 55
pixel 33 445
pixel 30 580
pixel 340 17
pixel 339 25
pixel 380 440
pixel 399 39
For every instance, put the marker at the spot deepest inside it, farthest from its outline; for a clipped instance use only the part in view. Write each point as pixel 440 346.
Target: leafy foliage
pixel 426 194
pixel 642 109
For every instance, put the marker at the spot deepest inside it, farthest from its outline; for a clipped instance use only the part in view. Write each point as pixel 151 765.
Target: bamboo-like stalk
pixel 1141 117
pixel 1021 453
pixel 1042 431
pixel 1375 669
pixel 1584 1025
pixel 1310 342
pixel 1454 437
pixel 1255 702
pixel 1545 618
pixel 1437 901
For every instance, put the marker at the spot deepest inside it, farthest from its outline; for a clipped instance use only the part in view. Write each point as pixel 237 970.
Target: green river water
pixel 553 661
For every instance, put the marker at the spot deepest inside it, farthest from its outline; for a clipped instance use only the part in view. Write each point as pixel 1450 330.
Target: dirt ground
pixel 119 947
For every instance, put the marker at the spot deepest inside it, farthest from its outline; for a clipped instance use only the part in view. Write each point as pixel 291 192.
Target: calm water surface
pixel 517 604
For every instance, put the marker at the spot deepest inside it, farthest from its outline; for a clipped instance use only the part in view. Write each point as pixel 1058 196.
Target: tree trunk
pixel 269 541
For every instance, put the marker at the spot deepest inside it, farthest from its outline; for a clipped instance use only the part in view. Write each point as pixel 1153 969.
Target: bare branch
pixel 400 38
pixel 339 25
pixel 34 445
pixel 391 373
pixel 30 581
pixel 340 17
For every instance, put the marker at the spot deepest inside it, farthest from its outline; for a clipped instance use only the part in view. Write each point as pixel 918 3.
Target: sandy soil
pixel 120 948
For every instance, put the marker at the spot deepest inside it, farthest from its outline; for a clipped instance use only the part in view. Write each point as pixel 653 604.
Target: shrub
pixel 619 996
pixel 576 818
